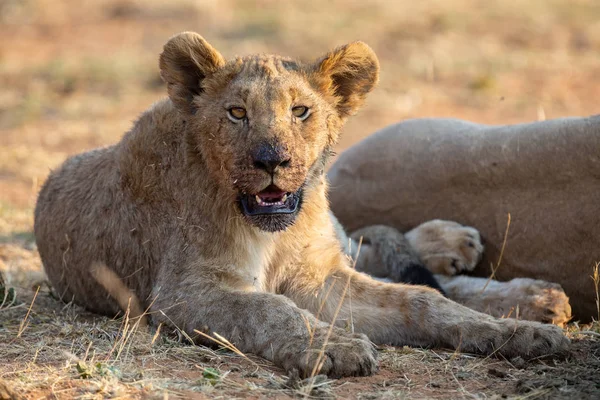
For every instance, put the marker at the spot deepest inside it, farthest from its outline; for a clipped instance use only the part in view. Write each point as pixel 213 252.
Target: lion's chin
pixel 271 209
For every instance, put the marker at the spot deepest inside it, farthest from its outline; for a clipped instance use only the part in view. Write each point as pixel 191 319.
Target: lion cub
pixel 213 210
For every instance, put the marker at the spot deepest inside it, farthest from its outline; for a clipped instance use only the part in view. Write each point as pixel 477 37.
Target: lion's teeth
pixel 271 202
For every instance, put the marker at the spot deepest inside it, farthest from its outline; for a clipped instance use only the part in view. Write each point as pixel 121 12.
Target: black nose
pixel 269 158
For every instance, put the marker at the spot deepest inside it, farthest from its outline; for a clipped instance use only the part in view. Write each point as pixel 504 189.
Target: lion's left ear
pixel 347 74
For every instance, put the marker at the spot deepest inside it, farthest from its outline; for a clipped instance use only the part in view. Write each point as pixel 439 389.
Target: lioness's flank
pixel 213 210
pixel 546 174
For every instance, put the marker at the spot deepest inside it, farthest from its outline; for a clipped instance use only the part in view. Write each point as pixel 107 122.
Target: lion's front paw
pixel 344 354
pixel 540 301
pixel 527 339
pixel 446 247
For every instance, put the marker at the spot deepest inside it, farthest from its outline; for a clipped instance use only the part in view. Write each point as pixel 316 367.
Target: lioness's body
pixel 545 174
pixel 182 211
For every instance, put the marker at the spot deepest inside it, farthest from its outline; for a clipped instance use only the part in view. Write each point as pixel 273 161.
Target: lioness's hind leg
pixel 522 298
pixel 446 247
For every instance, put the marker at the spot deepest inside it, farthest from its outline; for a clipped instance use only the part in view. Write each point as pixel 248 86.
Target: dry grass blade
pixel 24 322
pixel 590 333
pixel 360 241
pixel 494 269
pixel 180 331
pixel 320 358
pixel 8 295
pixel 127 332
pixel 156 334
pixel 596 278
pixel 223 342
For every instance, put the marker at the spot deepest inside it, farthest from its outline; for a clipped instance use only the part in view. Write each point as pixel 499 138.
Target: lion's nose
pixel 269 158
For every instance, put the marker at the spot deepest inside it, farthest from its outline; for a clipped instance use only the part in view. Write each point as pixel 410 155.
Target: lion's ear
pixel 185 61
pixel 347 74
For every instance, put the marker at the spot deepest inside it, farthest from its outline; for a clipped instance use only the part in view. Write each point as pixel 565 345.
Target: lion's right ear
pixel 185 61
pixel 347 74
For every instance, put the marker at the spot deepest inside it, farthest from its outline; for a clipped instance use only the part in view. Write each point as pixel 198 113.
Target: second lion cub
pixel 213 210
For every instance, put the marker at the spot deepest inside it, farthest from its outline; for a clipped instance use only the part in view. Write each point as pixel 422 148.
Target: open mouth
pixel 269 201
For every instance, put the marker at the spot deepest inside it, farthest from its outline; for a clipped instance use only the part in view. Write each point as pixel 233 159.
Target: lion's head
pixel 265 124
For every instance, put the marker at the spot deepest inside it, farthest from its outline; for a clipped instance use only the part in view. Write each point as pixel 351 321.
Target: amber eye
pixel 236 113
pixel 300 112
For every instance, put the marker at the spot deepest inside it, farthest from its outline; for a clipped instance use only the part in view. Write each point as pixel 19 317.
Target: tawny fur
pixel 160 209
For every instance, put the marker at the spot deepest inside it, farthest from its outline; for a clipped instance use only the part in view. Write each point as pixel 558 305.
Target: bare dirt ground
pixel 74 74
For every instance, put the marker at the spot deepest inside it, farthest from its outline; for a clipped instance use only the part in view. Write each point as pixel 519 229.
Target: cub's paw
pixel 540 301
pixel 446 247
pixel 527 339
pixel 344 354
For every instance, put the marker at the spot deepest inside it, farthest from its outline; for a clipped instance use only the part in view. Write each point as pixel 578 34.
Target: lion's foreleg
pixel 412 315
pixel 265 324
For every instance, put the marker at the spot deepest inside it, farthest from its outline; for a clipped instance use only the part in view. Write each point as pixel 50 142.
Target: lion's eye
pixel 300 112
pixel 236 113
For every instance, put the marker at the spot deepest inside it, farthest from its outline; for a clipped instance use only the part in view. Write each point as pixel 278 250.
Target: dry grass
pixel 596 278
pixel 74 74
pixel 65 352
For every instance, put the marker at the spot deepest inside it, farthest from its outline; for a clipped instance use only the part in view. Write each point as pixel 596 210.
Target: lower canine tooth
pixel 284 198
pixel 258 200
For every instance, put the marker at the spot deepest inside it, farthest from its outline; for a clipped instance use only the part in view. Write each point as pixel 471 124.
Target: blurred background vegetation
pixel 75 73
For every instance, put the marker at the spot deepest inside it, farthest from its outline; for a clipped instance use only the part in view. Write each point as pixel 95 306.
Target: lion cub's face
pixel 265 124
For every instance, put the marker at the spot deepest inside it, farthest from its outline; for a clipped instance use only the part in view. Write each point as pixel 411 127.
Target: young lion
pixel 213 211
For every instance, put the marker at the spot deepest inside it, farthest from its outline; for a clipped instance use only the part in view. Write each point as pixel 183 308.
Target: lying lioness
pixel 213 210
pixel 546 175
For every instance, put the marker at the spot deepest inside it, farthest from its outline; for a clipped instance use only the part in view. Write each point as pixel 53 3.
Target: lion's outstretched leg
pixel 419 316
